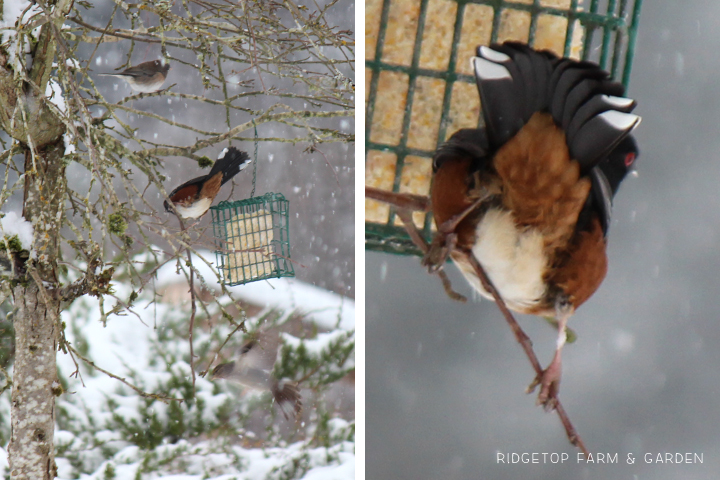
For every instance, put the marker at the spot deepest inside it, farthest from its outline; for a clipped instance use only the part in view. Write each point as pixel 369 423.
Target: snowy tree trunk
pixel 23 115
pixel 37 322
pixel 31 451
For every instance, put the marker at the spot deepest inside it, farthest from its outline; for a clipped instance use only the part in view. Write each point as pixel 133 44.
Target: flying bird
pixel 193 198
pixel 530 194
pixel 146 77
pixel 253 368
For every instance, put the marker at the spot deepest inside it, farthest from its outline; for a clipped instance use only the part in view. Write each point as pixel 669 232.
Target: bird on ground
pixel 194 197
pixel 146 77
pixel 253 368
pixel 529 195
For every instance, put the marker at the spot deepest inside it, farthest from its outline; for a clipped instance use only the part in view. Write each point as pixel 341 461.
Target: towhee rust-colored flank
pixel 193 198
pixel 146 77
pixel 529 195
pixel 253 368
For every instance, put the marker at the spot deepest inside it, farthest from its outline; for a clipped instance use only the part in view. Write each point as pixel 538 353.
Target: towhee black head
pixel 530 194
pixel 193 198
pixel 146 77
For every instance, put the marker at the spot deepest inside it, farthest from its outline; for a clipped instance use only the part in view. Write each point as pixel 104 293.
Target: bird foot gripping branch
pixel 445 240
pixel 436 253
pixel 523 204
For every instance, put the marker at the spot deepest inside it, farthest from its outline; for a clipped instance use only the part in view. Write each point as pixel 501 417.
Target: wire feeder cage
pixel 420 88
pixel 252 239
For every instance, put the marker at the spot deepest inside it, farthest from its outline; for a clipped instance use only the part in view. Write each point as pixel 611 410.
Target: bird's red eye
pixel 629 159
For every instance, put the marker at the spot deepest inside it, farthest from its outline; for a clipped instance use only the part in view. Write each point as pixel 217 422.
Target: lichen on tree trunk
pixel 37 318
pixel 31 449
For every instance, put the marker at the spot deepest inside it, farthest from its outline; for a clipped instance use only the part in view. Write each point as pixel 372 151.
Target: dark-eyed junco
pixel 146 77
pixel 193 198
pixel 529 194
pixel 253 368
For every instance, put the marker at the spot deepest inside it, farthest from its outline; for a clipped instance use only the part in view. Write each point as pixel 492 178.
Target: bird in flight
pixel 253 367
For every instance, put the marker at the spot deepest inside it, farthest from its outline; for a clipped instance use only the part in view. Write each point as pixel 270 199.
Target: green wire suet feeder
pixel 252 239
pixel 421 90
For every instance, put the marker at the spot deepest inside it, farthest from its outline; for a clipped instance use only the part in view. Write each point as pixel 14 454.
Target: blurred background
pixel 302 159
pixel 446 381
pixel 232 63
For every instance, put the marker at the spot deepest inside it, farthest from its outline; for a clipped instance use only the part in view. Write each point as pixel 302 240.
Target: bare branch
pixel 140 392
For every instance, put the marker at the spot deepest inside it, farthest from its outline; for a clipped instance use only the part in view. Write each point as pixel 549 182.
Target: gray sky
pixel 445 381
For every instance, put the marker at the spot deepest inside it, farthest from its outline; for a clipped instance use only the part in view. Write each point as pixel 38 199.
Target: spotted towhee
pixel 529 195
pixel 146 77
pixel 193 198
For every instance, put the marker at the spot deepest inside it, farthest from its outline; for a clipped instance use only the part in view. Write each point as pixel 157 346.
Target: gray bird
pixel 253 368
pixel 146 77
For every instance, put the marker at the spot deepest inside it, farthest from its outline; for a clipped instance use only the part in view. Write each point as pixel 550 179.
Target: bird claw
pixel 549 382
pixel 439 251
pixel 445 239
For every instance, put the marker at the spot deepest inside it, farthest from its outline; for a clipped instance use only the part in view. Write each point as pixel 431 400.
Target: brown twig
pixel 404 204
pixel 193 306
pixel 65 347
pixel 155 396
pixel 332 169
pixel 308 375
pixel 420 242
pixel 240 326
pixel 526 344
pixel 408 201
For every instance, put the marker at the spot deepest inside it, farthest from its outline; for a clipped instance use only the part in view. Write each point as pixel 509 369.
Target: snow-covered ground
pixel 323 307
pixel 106 430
